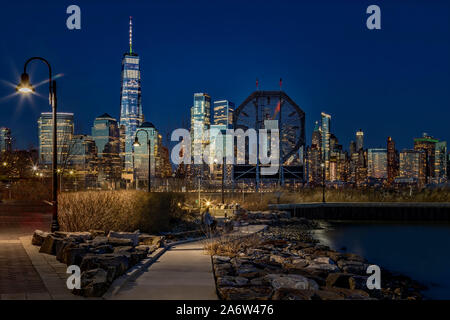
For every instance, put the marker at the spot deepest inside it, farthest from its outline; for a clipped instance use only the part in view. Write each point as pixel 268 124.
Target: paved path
pixel 18 277
pixel 182 273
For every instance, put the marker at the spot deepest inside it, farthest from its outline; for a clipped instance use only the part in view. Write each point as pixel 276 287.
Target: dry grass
pixel 230 246
pixel 118 210
pixel 260 201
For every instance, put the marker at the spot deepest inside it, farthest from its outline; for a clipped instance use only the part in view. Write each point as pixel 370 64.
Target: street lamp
pixel 137 144
pixel 25 87
pixel 323 181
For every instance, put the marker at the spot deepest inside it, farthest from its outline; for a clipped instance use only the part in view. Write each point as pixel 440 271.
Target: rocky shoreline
pixel 286 262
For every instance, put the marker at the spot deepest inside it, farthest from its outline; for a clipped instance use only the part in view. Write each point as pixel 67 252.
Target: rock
pixel 220 259
pixel 123 249
pixel 117 242
pixel 94 283
pixel 328 295
pixel 99 241
pixel 60 245
pixel 350 294
pixel 358 282
pixel 223 269
pixel 49 244
pixel 38 237
pixel 142 251
pixel 230 281
pixel 73 255
pixel 354 257
pixel 250 272
pixel 96 233
pixel 325 260
pixel 79 236
pixel 355 267
pixel 291 281
pixel 340 280
pixel 115 263
pixel 278 259
pixel 322 267
pixel 102 249
pixel 245 293
pixel 151 240
pixel 292 294
pixel 133 236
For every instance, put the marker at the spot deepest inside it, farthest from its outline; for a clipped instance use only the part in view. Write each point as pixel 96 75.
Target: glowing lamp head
pixel 25 86
pixel 208 203
pixel 136 142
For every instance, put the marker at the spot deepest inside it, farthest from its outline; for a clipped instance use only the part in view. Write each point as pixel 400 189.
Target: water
pixel 420 251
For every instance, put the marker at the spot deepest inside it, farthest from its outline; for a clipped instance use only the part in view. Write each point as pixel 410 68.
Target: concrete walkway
pixel 183 273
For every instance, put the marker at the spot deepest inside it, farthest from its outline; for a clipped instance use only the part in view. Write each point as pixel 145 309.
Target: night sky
pixel 389 82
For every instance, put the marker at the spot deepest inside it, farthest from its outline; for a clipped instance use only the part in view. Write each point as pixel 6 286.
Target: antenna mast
pixel 131 34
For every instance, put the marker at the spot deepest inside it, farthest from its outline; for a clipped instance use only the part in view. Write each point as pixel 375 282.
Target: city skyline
pixel 376 107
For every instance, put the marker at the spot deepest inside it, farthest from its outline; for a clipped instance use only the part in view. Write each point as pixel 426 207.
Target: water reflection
pixel 420 251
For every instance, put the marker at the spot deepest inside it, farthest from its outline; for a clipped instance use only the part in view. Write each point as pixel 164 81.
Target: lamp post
pixel 137 144
pixel 223 172
pixel 25 87
pixel 323 181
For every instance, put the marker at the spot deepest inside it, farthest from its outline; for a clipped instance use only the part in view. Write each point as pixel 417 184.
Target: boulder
pixel 96 233
pixel 60 245
pixel 118 242
pixel 102 249
pixel 322 267
pixel 143 251
pixel 148 239
pixel 133 236
pixel 338 279
pixel 350 294
pixel 49 244
pixel 278 259
pixel 358 282
pixel 245 293
pixel 249 272
pixel 325 260
pixel 94 283
pixel 78 236
pixel 291 281
pixel 99 241
pixel 220 259
pixel 115 263
pixel 230 281
pixel 38 237
pixel 292 294
pixel 223 269
pixel 73 255
pixel 328 295
pixel 122 249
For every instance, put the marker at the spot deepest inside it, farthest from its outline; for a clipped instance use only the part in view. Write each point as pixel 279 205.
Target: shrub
pixel 118 210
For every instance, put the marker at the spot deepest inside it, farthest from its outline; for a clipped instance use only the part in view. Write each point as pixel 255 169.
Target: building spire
pixel 131 34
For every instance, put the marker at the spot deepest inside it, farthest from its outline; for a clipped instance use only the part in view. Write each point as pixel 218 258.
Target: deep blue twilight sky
pixel 393 81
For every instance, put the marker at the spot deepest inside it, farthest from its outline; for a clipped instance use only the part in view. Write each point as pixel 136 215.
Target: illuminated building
pixel 392 161
pixel 200 123
pixel 64 132
pixel 314 157
pixel 131 115
pixel 440 164
pixel 223 113
pixel 412 165
pixel 428 145
pixel 5 140
pixel 326 119
pixel 359 140
pixel 105 133
pixel 377 163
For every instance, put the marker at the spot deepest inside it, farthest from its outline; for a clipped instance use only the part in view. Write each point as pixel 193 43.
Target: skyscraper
pixel 326 119
pixel 223 113
pixel 440 164
pixel 428 145
pixel 377 163
pixel 359 140
pixel 412 165
pixel 105 133
pixel 200 123
pixel 5 140
pixel 314 157
pixel 131 116
pixel 392 161
pixel 64 132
